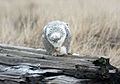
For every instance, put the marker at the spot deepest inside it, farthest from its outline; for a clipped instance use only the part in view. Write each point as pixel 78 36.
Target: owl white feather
pixel 56 38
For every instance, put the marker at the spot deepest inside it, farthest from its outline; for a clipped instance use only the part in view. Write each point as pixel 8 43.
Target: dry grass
pixel 95 24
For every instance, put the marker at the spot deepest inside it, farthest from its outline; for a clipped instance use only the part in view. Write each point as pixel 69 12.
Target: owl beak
pixel 56 48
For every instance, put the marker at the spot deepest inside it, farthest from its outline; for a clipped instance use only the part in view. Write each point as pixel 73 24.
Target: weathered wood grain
pixel 19 48
pixel 21 65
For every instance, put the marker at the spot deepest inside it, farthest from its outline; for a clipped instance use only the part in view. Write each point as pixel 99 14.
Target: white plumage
pixel 56 38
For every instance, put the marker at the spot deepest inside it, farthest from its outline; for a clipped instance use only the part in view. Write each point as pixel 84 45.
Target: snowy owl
pixel 56 38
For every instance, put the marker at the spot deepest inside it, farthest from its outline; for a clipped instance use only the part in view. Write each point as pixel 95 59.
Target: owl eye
pixel 48 34
pixel 50 29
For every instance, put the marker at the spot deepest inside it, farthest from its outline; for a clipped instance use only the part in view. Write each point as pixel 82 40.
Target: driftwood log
pixel 21 65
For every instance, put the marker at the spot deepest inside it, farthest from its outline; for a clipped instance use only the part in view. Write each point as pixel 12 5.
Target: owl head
pixel 56 33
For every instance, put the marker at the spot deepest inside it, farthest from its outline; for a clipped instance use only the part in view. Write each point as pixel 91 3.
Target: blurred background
pixel 95 24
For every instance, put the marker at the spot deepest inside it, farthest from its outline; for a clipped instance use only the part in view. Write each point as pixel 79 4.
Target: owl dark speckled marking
pixel 56 38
